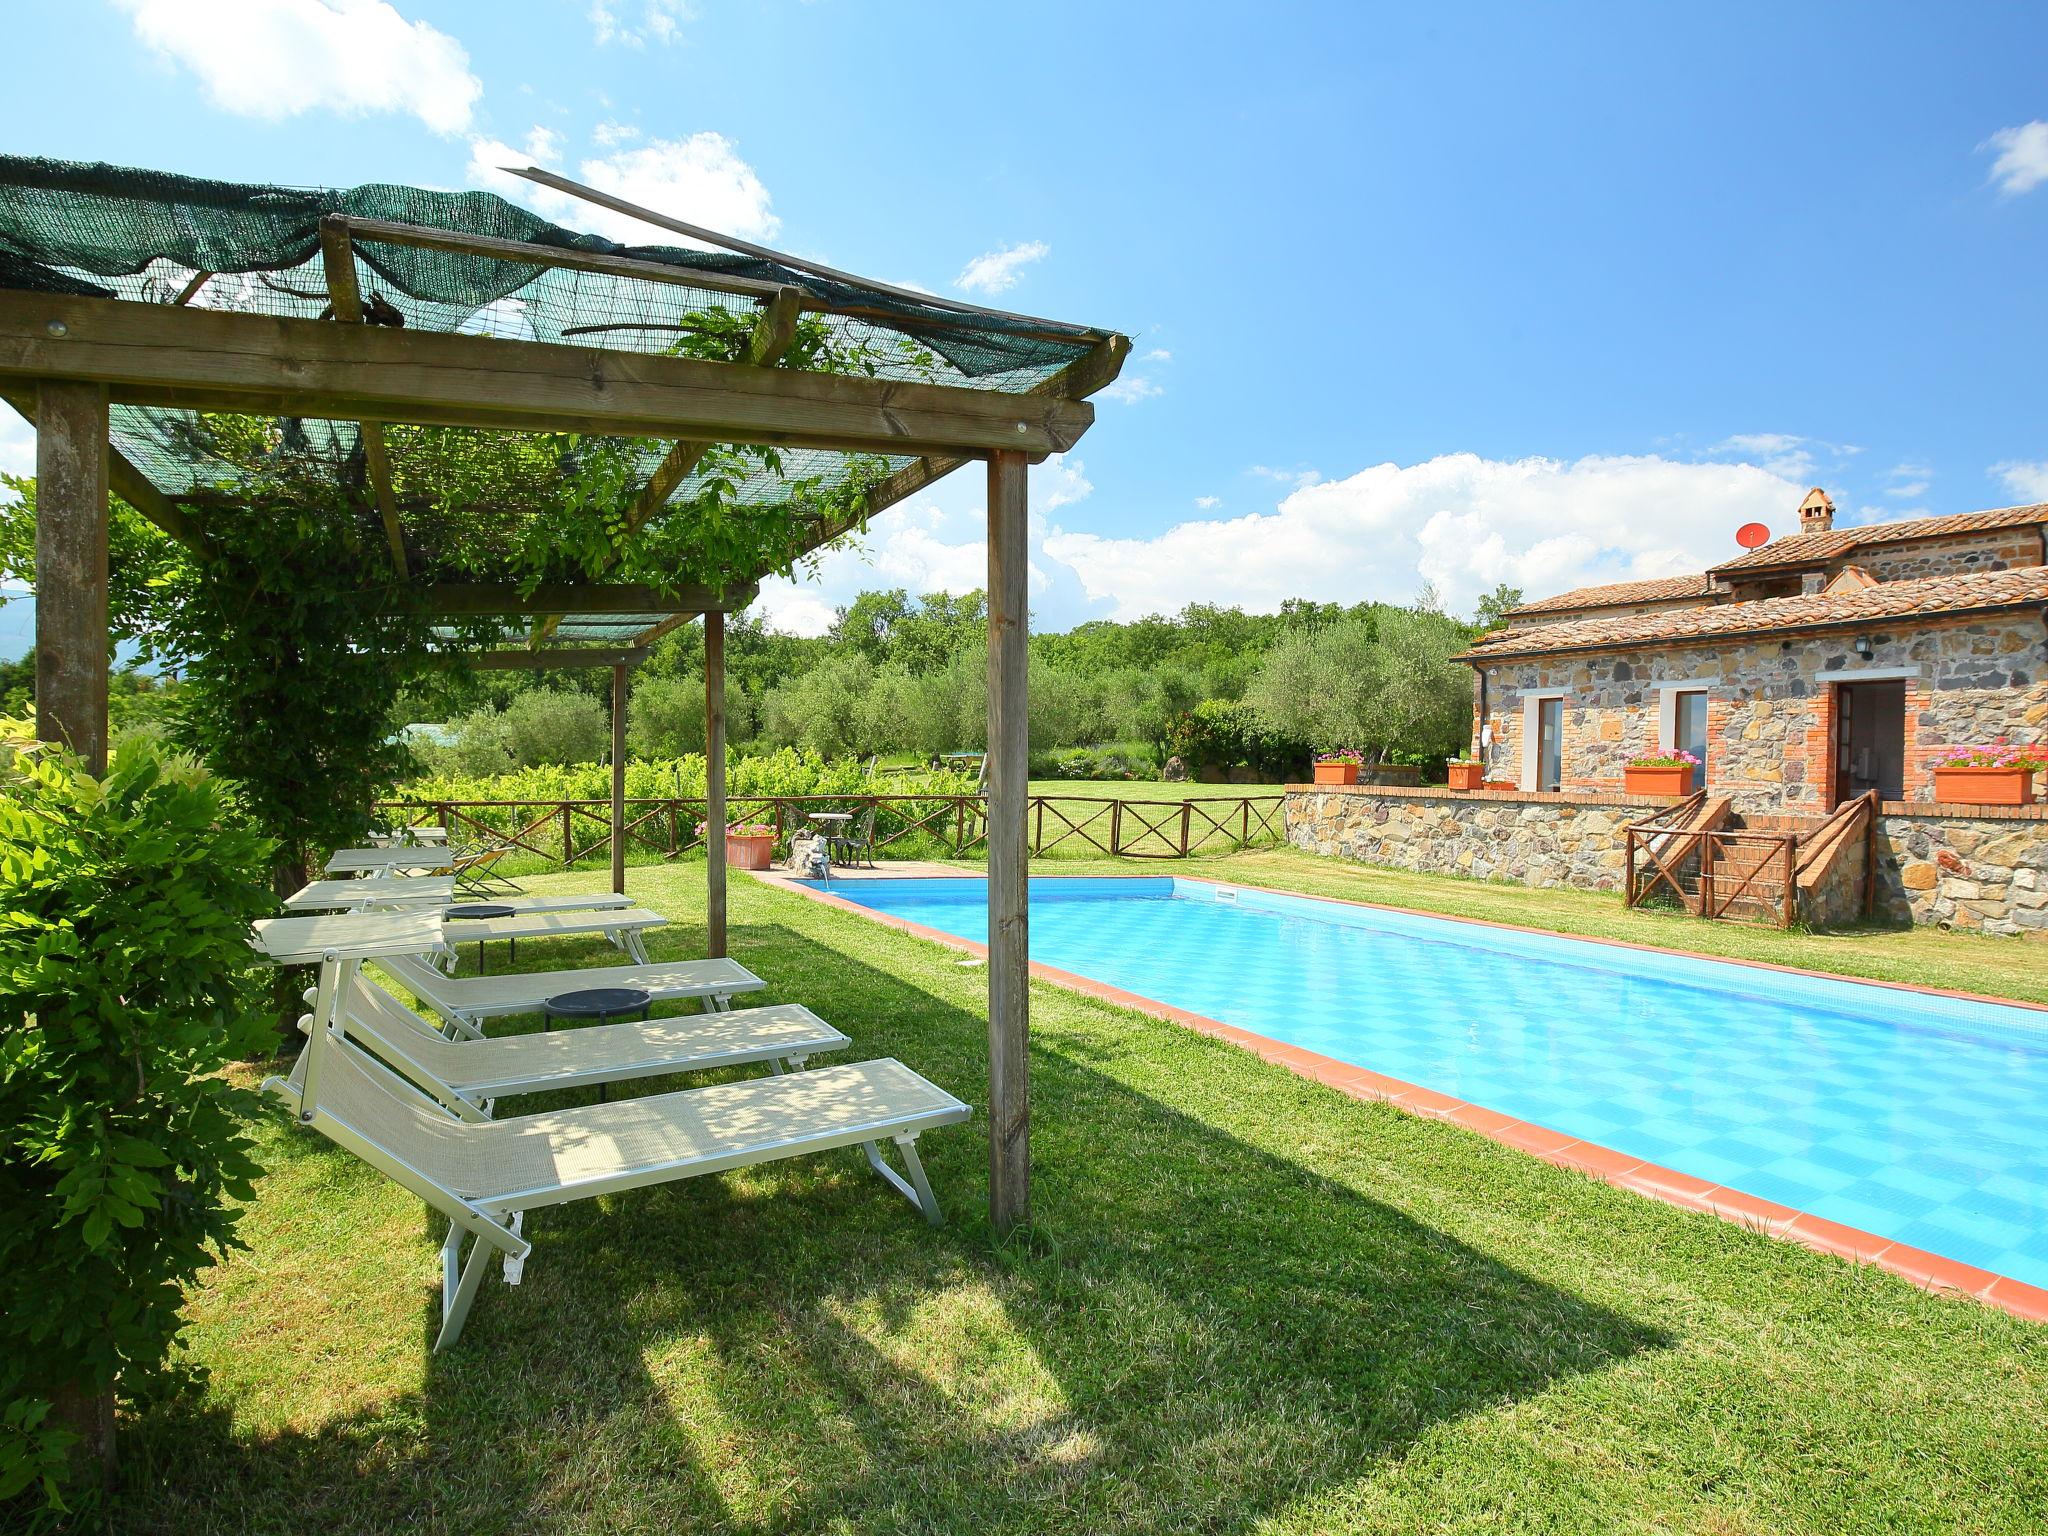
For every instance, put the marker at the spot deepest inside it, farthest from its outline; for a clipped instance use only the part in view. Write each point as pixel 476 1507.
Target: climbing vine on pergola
pixel 524 432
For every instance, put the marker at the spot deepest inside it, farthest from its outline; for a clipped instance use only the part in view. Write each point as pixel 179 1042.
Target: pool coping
pixel 1929 1271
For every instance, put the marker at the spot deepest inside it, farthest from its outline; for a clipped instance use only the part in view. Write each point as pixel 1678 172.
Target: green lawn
pixel 1248 1304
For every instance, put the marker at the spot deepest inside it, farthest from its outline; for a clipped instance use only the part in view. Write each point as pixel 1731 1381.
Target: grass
pixel 1248 1304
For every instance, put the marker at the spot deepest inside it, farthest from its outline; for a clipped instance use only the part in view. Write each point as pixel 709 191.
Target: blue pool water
pixel 1922 1119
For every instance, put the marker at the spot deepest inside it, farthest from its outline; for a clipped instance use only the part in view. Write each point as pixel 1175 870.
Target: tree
pixel 1387 687
pixel 1495 606
pixel 549 726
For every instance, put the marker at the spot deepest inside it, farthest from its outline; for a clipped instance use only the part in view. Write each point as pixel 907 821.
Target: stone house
pixel 1804 673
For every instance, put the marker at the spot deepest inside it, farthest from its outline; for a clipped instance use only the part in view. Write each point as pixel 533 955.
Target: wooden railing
pixel 566 832
pixel 1684 853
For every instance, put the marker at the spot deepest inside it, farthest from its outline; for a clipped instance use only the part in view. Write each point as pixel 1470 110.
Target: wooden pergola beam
pixel 155 354
pixel 481 600
pixel 541 661
pixel 337 256
pixel 71 570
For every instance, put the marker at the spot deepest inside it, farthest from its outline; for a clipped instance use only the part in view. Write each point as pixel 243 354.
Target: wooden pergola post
pixel 1008 763
pixel 619 674
pixel 71 569
pixel 714 785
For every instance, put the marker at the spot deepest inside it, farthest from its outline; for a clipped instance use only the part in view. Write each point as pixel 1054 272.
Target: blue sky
pixel 1535 294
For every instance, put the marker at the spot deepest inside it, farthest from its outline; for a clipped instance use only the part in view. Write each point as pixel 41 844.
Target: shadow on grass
pixel 1197 1335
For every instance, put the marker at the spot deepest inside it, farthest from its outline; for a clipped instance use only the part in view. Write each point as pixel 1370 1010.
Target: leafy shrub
pixel 546 725
pixel 125 985
pixel 1222 735
pixel 1098 763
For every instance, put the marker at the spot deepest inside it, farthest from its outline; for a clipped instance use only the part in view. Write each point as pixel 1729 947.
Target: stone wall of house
pixel 1530 839
pixel 1607 611
pixel 1770 706
pixel 1995 549
pixel 1987 872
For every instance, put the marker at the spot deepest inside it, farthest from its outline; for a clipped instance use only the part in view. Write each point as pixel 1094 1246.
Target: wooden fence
pixel 566 832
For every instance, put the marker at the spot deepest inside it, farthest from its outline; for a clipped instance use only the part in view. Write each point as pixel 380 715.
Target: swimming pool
pixel 1917 1117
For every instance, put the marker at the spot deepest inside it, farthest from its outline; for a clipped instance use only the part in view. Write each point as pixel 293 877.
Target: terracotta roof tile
pixel 1621 594
pixel 1931 595
pixel 1818 548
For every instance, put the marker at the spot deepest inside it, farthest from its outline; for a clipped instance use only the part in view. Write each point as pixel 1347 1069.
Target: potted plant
pixel 1339 767
pixel 1465 773
pixel 748 844
pixel 2000 774
pixel 1660 773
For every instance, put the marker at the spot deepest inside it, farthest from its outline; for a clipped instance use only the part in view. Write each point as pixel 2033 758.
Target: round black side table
pixel 477 910
pixel 600 1003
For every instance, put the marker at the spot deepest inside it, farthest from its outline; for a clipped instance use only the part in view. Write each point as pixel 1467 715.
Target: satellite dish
pixel 1752 535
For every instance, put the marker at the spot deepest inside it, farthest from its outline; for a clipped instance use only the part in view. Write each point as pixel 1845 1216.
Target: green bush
pixel 1225 736
pixel 665 716
pixel 126 984
pixel 1113 761
pixel 546 726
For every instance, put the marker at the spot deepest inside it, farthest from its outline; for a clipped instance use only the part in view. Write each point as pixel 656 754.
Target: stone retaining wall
pixel 1532 839
pixel 1977 867
pixel 1981 868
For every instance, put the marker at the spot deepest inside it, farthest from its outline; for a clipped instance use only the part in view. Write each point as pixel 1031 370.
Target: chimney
pixel 1816 513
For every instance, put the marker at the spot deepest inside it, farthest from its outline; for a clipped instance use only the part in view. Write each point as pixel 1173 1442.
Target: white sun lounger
pixel 403 893
pixel 466 1076
pixel 372 892
pixel 485 1177
pixel 621 925
pixel 384 861
pixel 466 1002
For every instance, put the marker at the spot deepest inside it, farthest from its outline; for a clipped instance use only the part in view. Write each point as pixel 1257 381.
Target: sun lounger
pixel 372 892
pixel 485 1177
pixel 466 1076
pixel 621 925
pixel 384 861
pixel 466 1002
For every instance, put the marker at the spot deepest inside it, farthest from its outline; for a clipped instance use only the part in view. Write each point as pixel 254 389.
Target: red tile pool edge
pixel 1930 1271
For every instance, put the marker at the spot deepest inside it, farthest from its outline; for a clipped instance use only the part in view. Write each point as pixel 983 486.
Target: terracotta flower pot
pixel 1657 781
pixel 745 850
pixel 1336 773
pixel 1466 775
pixel 1983 786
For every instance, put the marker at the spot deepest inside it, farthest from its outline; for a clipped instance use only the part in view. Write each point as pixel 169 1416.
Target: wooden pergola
pixel 67 359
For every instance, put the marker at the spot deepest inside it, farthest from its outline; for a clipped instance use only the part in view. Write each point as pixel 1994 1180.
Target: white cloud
pixel 1208 503
pixel 701 179
pixel 1908 480
pixel 659 21
pixel 1059 482
pixel 274 59
pixel 2026 480
pixel 1293 477
pixel 1779 452
pixel 998 270
pixel 1157 355
pixel 1130 389
pixel 1460 522
pixel 2022 162
pixel 608 135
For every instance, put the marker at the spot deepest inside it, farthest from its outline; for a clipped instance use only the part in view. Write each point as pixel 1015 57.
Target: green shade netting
pixel 144 235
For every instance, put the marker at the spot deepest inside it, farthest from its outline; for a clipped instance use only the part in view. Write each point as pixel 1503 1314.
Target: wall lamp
pixel 1863 648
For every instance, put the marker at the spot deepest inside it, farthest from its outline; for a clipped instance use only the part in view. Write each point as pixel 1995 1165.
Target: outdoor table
pixel 373 891
pixel 475 911
pixel 834 825
pixel 600 1003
